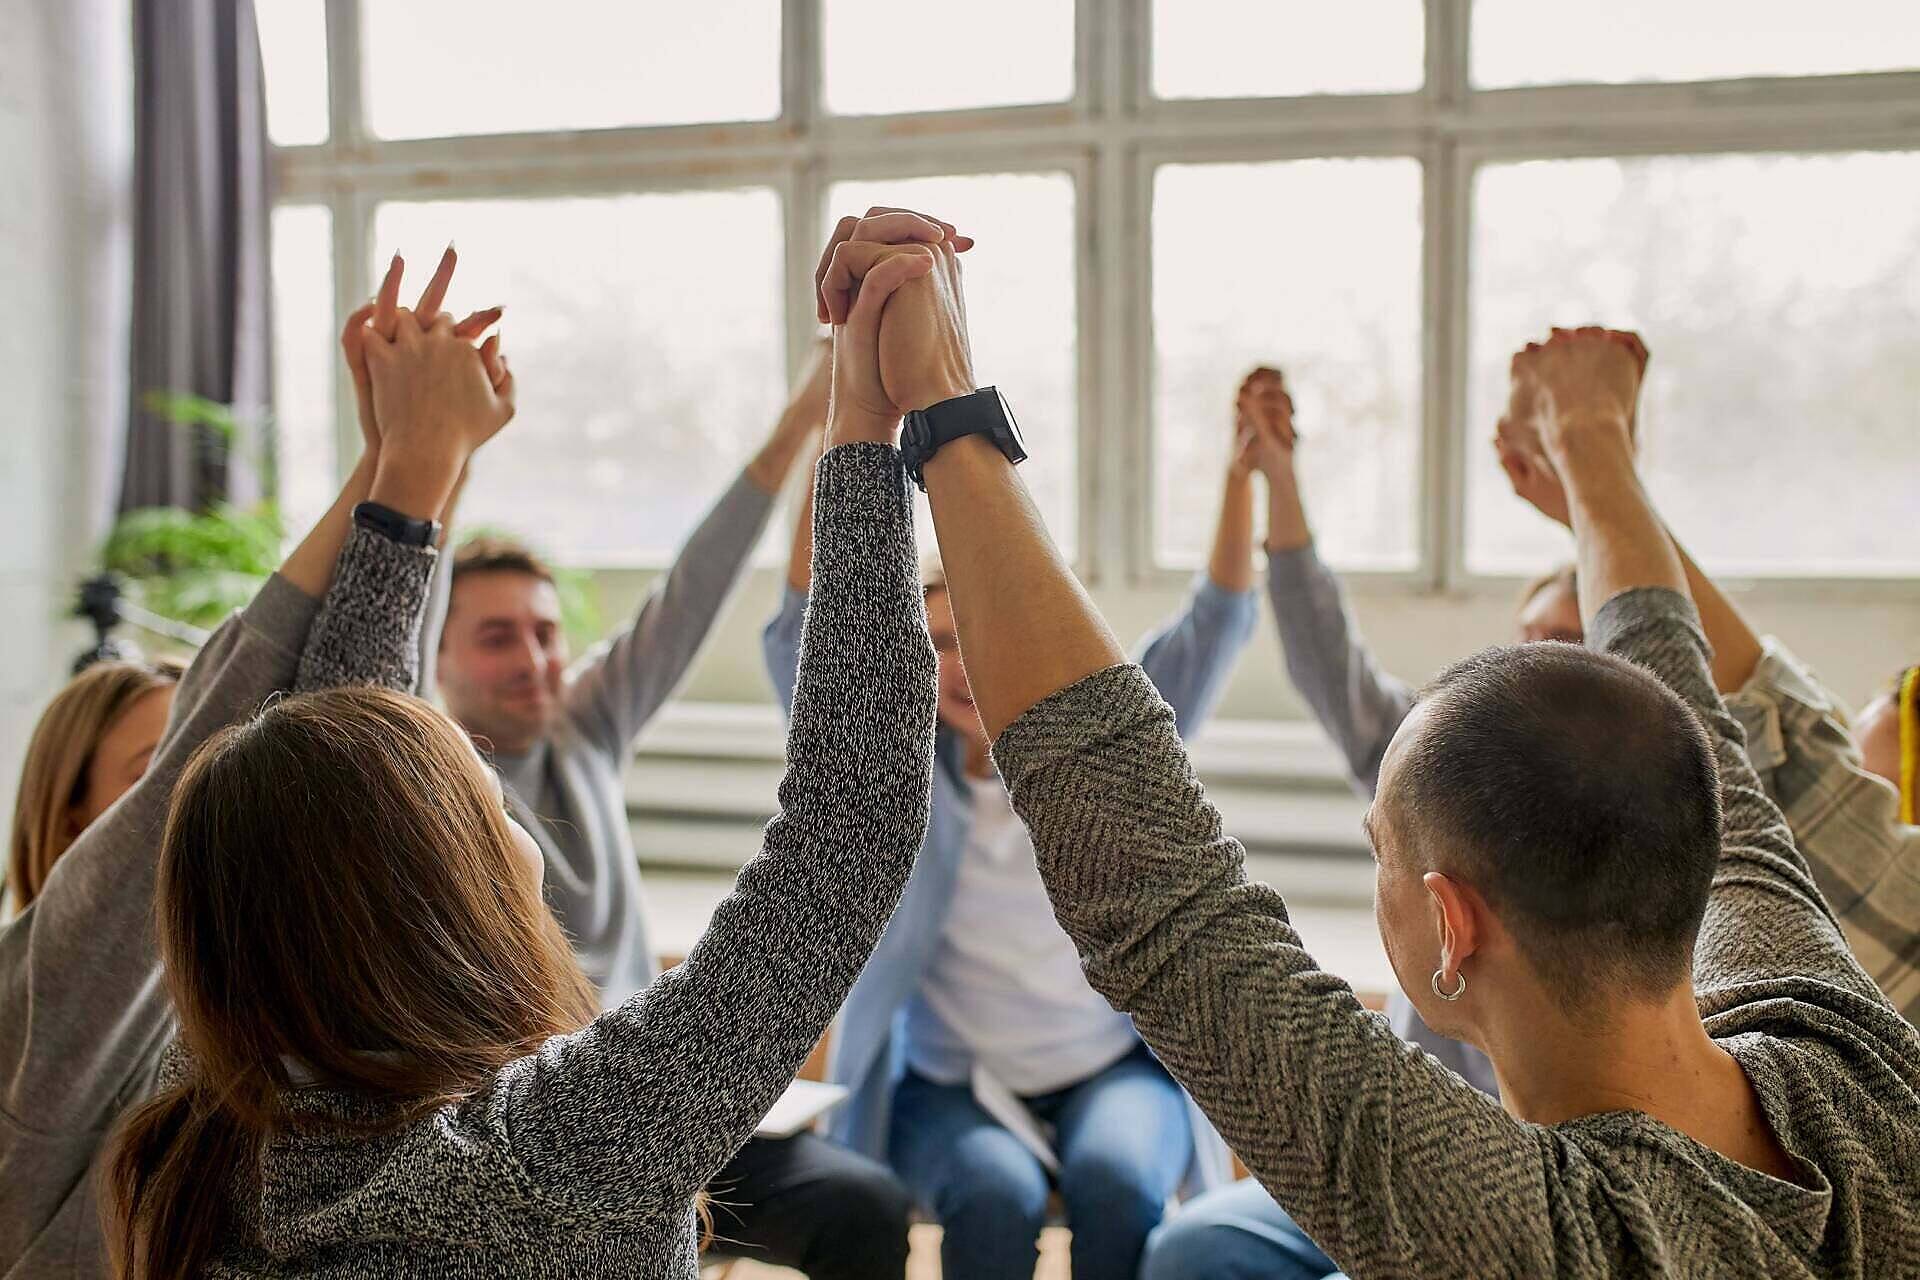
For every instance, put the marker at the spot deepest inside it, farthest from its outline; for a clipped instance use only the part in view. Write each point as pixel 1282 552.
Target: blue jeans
pixel 1124 1142
pixel 1234 1233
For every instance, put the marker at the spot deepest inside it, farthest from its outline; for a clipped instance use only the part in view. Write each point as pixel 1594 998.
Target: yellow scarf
pixel 1907 707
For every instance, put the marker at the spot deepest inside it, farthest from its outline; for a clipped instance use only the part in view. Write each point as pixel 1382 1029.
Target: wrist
pixel 948 389
pixel 968 454
pixel 852 427
pixel 416 484
pixel 1587 439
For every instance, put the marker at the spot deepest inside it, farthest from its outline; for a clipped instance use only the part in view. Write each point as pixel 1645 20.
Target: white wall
pixel 66 169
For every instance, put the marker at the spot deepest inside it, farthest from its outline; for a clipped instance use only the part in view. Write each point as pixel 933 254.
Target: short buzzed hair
pixel 490 553
pixel 1581 797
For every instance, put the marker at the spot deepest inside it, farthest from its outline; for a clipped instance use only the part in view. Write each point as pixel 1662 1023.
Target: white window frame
pixel 1109 136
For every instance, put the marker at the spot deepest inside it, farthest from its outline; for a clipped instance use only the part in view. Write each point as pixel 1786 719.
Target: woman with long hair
pixel 84 1015
pixel 388 1066
pixel 89 747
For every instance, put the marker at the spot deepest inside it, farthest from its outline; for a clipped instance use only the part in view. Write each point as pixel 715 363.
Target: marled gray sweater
pixel 584 1159
pixel 1397 1167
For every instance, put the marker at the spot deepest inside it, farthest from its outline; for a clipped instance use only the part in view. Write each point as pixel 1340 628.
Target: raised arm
pixel 1334 1113
pixel 780 638
pixel 614 690
pixel 1765 917
pixel 1359 705
pixel 1190 656
pixel 637 1112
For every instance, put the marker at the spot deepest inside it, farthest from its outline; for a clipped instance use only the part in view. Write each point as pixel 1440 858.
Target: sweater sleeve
pixel 1845 820
pixel 1765 918
pixel 613 691
pixel 638 1111
pixel 83 1010
pixel 1190 658
pixel 1359 705
pixel 1391 1163
pixel 369 630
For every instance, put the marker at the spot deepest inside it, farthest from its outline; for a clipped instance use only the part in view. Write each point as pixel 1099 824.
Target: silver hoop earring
pixel 1456 993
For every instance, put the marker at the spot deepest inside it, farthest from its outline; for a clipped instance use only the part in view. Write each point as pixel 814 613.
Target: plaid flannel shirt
pixel 1845 820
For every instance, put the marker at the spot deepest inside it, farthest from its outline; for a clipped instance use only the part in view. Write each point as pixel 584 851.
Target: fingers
pixel 435 293
pixel 492 361
pixel 886 224
pixel 388 298
pixel 902 263
pixel 847 269
pixel 353 337
pixel 476 323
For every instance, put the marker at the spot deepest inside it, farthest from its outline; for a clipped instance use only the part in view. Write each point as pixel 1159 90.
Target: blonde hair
pixel 60 757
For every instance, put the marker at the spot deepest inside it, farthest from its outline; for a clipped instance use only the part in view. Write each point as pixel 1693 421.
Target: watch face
pixel 1006 411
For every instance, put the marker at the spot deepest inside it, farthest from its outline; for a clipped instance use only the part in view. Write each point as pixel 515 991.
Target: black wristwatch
pixel 983 413
pixel 390 524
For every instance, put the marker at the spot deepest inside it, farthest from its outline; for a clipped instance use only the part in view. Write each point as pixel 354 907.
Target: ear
pixel 1463 927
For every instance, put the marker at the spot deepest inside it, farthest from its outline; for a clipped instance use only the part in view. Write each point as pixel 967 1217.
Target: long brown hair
pixel 338 888
pixel 60 760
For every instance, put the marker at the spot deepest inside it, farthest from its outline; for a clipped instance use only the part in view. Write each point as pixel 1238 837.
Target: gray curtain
pixel 202 207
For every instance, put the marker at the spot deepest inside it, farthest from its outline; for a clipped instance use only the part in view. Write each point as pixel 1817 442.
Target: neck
pixel 1653 1057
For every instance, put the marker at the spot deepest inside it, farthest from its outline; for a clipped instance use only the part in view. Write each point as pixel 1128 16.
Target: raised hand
pixel 1580 380
pixel 901 263
pixel 1264 436
pixel 379 318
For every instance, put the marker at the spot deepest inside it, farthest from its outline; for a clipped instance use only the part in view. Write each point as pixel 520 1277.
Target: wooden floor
pixel 925 1262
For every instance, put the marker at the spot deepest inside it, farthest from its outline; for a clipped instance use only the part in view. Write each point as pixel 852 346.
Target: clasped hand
pixel 889 284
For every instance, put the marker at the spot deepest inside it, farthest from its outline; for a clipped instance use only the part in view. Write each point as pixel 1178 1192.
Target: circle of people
pixel 309 977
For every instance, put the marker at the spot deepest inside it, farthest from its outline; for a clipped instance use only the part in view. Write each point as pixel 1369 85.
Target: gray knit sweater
pixel 584 1158
pixel 1397 1167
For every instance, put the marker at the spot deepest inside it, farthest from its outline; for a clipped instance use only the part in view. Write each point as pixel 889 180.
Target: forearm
pixel 800 554
pixel 309 567
pixel 1736 649
pixel 1286 514
pixel 1027 628
pixel 709 1046
pixel 1359 705
pixel 368 630
pixel 1621 544
pixel 791 437
pixel 1231 563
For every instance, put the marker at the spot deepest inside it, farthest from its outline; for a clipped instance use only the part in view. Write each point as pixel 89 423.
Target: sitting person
pixel 1844 820
pixel 84 1013
pixel 437 1098
pixel 561 735
pixel 974 980
pixel 89 747
pixel 1698 1077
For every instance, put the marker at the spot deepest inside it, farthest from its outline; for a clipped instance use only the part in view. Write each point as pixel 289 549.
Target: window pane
pixel 437 68
pixel 1781 298
pixel 293 49
pixel 877 64
pixel 1519 42
pixel 1231 49
pixel 1020 308
pixel 305 459
pixel 1328 291
pixel 647 374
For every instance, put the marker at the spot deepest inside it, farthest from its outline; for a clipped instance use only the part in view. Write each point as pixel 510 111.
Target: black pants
pixel 813 1205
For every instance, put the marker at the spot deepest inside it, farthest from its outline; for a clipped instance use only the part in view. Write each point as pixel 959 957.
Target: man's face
pixel 503 657
pixel 956 709
pixel 1552 613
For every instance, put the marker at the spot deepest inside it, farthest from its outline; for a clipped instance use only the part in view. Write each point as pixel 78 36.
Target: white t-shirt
pixel 1004 987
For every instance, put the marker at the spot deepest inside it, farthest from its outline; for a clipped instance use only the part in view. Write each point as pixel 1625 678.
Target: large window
pixel 1384 198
